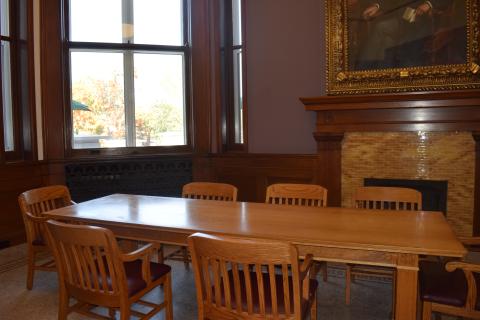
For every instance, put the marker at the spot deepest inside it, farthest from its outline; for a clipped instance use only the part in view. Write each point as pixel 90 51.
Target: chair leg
pixel 168 298
pixel 394 293
pixel 63 301
pixel 313 309
pixel 426 310
pixel 348 279
pixel 185 257
pixel 325 271
pixel 124 311
pixel 30 268
pixel 111 313
pixel 160 254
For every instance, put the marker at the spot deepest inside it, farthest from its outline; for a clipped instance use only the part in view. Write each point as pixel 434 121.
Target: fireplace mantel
pixel 422 111
pixel 419 111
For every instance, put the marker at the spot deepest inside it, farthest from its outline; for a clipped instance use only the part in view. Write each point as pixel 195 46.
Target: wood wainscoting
pixel 15 179
pixel 252 173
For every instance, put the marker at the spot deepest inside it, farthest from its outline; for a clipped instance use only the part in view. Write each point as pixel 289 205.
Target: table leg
pixel 406 287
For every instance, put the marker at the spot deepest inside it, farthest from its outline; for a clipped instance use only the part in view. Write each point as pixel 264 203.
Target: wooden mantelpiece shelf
pixel 438 111
pixel 393 101
pixel 404 112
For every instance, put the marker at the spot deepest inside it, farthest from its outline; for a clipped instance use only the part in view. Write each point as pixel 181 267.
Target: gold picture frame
pixel 442 52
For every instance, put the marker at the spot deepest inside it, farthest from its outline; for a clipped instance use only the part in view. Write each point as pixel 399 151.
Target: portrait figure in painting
pixel 386 34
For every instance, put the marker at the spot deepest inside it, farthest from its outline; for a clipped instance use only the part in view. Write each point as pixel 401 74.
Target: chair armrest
pixel 470 241
pixel 36 219
pixel 139 253
pixel 306 266
pixel 144 254
pixel 468 269
pixel 465 266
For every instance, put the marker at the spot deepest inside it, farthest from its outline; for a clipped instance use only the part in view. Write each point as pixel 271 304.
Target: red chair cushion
pixel 440 286
pixel 133 271
pixel 38 242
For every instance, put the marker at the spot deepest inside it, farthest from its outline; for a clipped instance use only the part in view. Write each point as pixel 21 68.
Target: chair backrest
pixel 310 195
pixel 389 198
pixel 37 201
pixel 230 281
pixel 210 191
pixel 88 262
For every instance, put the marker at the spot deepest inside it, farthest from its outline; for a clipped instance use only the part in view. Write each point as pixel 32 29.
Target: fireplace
pixel 417 156
pixel 434 193
pixel 405 136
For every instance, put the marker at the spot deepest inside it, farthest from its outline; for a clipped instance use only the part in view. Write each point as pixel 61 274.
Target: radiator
pixel 159 177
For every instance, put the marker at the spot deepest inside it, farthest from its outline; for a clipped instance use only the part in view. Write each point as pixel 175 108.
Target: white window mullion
pixel 128 69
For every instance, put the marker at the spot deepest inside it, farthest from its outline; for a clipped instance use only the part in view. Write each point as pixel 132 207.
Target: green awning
pixel 79 106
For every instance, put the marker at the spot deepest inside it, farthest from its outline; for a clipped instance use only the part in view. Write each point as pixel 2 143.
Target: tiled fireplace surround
pixel 418 136
pixel 414 155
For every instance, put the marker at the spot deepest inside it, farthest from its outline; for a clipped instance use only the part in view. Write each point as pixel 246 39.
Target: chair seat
pixel 267 290
pixel 38 242
pixel 440 286
pixel 133 272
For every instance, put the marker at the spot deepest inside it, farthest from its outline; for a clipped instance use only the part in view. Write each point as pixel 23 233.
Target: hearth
pixel 434 193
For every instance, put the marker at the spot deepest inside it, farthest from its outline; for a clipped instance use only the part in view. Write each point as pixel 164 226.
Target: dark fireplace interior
pixel 434 193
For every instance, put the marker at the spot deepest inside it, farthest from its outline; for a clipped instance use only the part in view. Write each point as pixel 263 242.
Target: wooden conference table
pixel 372 237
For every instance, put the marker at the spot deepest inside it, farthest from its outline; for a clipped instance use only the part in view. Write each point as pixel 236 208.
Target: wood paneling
pixel 329 146
pixel 253 173
pixel 202 73
pixel 15 179
pixel 52 79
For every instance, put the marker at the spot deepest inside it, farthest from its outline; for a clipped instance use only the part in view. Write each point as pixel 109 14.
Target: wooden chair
pixel 239 278
pixel 309 195
pixel 32 204
pixel 297 194
pixel 384 198
pixel 210 191
pixel 387 198
pixel 451 288
pixel 93 271
pixel 206 191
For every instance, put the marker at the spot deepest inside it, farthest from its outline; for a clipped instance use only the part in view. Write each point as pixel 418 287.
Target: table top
pixel 415 232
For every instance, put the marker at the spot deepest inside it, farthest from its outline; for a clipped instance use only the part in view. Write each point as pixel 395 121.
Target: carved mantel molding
pixel 423 111
pixel 426 111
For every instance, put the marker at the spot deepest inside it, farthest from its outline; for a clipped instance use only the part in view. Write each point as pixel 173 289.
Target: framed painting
pixel 380 46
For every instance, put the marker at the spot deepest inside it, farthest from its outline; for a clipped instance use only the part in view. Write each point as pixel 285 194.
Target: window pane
pixel 4 18
pixel 7 96
pixel 237 22
pixel 159 99
pixel 96 21
pixel 158 22
pixel 98 109
pixel 238 94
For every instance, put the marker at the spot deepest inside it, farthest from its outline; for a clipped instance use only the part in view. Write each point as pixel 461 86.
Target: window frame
pixel 185 49
pixel 13 39
pixel 228 110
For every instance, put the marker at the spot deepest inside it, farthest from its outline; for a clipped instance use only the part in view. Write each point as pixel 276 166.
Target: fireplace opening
pixel 434 193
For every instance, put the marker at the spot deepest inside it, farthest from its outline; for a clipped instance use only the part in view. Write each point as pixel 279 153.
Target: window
pixel 233 82
pixel 6 40
pixel 128 73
